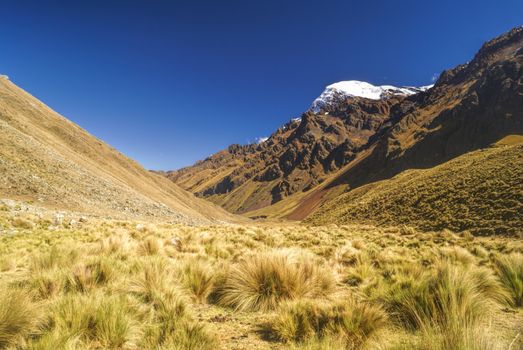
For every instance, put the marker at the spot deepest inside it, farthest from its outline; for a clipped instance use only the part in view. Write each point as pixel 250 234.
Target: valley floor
pixel 74 282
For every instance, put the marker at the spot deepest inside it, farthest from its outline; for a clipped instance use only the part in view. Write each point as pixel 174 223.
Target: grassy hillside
pixel 46 158
pixel 481 191
pixel 105 284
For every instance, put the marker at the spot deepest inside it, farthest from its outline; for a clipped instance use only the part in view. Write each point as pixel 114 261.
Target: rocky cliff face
pixel 356 133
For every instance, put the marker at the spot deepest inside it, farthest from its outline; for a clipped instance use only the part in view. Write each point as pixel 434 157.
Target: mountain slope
pixel 481 191
pixel 46 158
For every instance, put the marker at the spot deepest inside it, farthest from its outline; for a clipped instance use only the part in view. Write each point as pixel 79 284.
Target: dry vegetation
pixel 480 191
pixel 101 284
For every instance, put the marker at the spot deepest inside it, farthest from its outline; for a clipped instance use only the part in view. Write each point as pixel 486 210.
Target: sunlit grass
pixel 122 285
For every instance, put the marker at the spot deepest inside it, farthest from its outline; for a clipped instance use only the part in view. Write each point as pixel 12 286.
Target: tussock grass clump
pixel 304 320
pixel 105 320
pixel 359 273
pixel 198 278
pixel 114 327
pixel 150 246
pixel 479 251
pixel 115 244
pixel 153 281
pixel 262 281
pixel 510 270
pixel 7 263
pixel 180 335
pixel 46 284
pixel 54 341
pixel 320 344
pixel 22 223
pixel 19 317
pixel 468 339
pixel 86 276
pixel 449 301
pixel 55 257
pixel 457 254
pixel 171 327
pixel 348 255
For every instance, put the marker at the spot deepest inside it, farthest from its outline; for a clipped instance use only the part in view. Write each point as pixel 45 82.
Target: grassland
pixel 86 283
pixel 480 192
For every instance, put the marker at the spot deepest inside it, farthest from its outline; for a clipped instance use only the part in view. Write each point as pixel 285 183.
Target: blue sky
pixel 171 82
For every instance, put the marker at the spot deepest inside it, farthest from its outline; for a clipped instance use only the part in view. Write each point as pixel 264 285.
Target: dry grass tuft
pixel 107 321
pixel 448 302
pixel 150 246
pixel 19 317
pixel 304 320
pixel 198 278
pixel 55 257
pixel 262 281
pixel 457 254
pixel 510 269
pixel 84 277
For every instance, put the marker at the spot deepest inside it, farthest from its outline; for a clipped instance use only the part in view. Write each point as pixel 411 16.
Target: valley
pixel 382 218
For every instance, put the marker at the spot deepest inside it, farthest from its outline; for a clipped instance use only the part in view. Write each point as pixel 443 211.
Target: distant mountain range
pixel 356 133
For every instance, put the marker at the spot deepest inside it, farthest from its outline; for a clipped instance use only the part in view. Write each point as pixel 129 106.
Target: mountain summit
pixel 342 90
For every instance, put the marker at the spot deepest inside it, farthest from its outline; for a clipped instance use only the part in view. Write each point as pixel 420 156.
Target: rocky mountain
pixel 357 133
pixel 297 157
pixel 47 159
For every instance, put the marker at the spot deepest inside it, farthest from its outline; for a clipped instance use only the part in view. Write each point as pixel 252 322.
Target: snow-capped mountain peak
pixel 355 88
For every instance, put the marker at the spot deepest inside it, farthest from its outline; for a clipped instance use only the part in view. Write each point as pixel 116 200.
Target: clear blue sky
pixel 170 82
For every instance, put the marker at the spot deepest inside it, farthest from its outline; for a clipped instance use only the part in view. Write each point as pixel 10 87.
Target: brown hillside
pixel 46 158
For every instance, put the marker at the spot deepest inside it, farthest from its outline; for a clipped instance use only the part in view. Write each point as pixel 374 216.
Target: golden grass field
pixel 480 191
pixel 90 283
